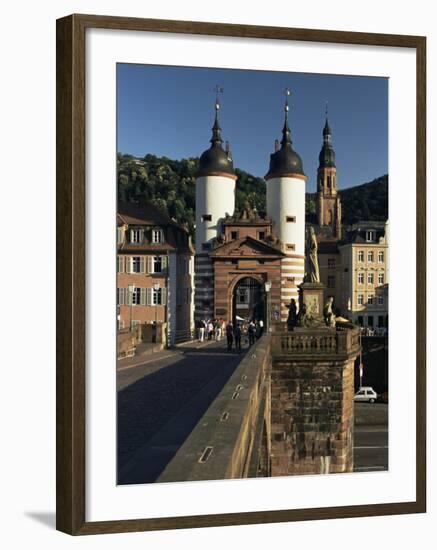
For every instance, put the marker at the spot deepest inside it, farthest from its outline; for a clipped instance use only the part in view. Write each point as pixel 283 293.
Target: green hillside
pixel 170 184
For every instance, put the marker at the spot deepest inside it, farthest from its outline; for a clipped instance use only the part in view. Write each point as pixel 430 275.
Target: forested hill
pixel 170 184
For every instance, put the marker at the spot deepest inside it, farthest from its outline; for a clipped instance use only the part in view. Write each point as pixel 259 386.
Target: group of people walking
pixel 211 329
pixel 215 329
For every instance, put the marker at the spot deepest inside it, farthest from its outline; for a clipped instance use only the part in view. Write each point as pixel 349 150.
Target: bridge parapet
pixel 232 440
pixel 316 342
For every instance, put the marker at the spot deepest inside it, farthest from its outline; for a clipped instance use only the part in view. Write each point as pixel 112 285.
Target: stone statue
pixel 302 316
pixel 312 274
pixel 328 314
pixel 292 314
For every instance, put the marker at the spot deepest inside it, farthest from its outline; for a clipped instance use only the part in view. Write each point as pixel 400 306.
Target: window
pixel 380 321
pixel 120 235
pixel 370 256
pixel 361 278
pixel 136 264
pixel 370 236
pixel 381 256
pixel 136 236
pixel 360 299
pixel 370 278
pixel 291 247
pixel 158 296
pixel 331 263
pixel 243 295
pixel 360 320
pixel 361 255
pixel 157 264
pixel 380 300
pixel 291 219
pixel 331 281
pixel 136 296
pixel 370 321
pixel 234 235
pixel 206 217
pixel 380 278
pixel 262 235
pixel 157 236
pixel 370 299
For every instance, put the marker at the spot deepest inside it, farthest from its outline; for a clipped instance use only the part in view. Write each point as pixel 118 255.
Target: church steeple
pixel 327 153
pixel 328 202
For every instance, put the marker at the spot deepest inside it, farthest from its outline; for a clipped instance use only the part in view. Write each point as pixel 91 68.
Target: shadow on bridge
pixel 156 413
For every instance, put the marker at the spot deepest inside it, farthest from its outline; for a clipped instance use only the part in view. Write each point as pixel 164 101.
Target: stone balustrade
pixel 310 341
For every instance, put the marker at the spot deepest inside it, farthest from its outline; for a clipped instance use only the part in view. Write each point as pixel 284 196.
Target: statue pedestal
pixel 312 295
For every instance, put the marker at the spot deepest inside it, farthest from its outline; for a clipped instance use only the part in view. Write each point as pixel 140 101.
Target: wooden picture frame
pixel 71 252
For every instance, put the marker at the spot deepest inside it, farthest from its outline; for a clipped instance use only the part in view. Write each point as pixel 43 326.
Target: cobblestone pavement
pixel 179 383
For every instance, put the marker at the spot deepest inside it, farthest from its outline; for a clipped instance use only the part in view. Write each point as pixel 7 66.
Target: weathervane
pixel 326 109
pixel 287 94
pixel 218 90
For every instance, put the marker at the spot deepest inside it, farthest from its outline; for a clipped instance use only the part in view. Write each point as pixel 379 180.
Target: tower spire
pixel 286 133
pixel 216 130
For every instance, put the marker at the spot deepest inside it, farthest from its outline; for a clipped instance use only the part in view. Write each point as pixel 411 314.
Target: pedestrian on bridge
pixel 251 333
pixel 229 335
pixel 202 326
pixel 237 336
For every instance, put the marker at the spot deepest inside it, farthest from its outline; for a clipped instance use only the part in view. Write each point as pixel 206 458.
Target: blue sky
pixel 170 110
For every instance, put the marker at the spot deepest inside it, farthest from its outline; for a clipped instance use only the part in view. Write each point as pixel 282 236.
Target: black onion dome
pixel 327 153
pixel 285 161
pixel 215 159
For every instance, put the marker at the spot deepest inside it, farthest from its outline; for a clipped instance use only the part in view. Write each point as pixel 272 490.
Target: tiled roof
pixel 144 213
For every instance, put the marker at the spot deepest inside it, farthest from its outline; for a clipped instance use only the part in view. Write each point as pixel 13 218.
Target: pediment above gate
pixel 246 247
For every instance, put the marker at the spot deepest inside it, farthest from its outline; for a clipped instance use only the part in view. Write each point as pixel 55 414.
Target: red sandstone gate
pixel 248 300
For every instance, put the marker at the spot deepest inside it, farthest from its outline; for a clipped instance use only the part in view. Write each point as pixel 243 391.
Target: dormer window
pixel 157 236
pixel 136 236
pixel 234 235
pixel 370 236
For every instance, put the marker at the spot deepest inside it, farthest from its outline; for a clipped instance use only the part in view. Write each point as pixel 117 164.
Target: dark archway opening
pixel 249 301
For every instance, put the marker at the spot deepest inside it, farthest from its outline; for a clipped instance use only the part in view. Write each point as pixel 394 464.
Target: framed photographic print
pixel 240 284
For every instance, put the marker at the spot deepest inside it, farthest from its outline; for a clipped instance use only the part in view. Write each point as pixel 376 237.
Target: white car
pixel 366 394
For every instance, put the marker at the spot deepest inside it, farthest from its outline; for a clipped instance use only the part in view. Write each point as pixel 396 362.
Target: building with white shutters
pixel 154 271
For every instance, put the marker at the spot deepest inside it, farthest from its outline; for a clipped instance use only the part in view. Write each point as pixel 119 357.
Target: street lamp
pixel 267 288
pixel 131 289
pixel 156 288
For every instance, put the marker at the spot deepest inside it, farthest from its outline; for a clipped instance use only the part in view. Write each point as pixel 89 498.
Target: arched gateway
pixel 249 300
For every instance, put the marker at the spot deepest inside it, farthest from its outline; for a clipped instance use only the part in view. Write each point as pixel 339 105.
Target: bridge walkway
pixel 161 398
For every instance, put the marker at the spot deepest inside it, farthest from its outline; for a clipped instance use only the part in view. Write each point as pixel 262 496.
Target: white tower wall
pixel 286 207
pixel 215 196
